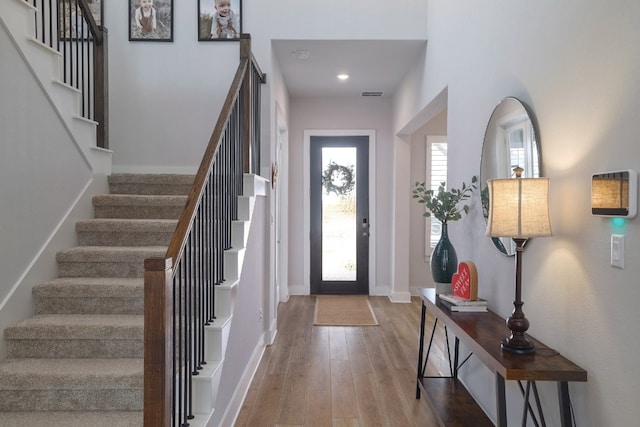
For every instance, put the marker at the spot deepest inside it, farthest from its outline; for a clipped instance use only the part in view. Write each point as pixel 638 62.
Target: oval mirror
pixel 509 141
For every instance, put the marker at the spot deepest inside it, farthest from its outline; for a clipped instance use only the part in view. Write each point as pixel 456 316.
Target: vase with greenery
pixel 445 206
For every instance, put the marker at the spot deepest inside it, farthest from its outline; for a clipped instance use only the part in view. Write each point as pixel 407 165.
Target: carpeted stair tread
pixel 131 225
pixel 150 184
pixel 84 287
pixel 90 295
pixel 47 374
pixel 138 206
pixel 140 199
pixel 125 232
pixel 77 326
pixel 106 261
pixel 71 419
pixel 110 253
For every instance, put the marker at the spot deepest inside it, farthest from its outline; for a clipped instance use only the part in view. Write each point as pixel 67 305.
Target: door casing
pixel 307 209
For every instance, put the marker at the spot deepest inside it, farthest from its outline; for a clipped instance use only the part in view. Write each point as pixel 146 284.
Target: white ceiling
pixel 373 65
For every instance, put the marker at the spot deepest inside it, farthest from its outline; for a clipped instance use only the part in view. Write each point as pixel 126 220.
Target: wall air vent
pixel 372 93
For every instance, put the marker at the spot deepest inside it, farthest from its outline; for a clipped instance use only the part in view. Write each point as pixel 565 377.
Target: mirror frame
pixel 510 111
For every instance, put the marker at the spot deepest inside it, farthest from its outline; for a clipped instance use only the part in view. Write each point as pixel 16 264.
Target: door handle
pixel 365 227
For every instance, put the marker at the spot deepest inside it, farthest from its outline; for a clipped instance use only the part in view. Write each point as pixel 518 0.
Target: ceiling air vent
pixel 372 93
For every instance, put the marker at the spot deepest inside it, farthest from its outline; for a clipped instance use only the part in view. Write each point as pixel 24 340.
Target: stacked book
pixel 457 303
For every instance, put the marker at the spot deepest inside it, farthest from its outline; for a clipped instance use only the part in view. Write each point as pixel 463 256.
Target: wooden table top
pixel 482 333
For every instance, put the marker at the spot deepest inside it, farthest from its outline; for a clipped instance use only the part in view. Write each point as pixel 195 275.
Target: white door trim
pixel 306 265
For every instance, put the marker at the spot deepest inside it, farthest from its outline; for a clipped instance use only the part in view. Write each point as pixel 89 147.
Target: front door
pixel 339 195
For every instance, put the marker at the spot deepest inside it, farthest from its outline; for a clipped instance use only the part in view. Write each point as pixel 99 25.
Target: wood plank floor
pixel 341 376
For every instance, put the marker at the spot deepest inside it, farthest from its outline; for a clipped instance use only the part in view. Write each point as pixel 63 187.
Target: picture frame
pixel 70 25
pixel 151 20
pixel 214 27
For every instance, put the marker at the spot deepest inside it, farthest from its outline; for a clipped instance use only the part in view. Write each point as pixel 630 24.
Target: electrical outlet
pixel 260 313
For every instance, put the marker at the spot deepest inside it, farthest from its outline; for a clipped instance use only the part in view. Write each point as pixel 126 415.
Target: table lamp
pixel 519 209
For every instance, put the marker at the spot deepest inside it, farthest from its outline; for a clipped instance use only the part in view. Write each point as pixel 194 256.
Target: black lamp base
pixel 518 345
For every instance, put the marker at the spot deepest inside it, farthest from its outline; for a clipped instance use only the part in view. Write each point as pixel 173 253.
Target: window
pixel 436 174
pixel 521 146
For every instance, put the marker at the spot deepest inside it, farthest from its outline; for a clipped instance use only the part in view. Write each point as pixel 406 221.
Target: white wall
pixel 165 97
pixel 327 114
pixel 246 338
pixel 575 64
pixel 419 266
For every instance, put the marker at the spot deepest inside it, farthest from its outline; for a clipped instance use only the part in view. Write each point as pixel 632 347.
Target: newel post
pixel 245 93
pixel 101 87
pixel 158 342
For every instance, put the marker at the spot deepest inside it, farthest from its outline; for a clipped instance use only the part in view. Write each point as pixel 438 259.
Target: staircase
pixel 79 360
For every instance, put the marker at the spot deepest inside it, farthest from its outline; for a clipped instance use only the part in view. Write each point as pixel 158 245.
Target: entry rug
pixel 344 310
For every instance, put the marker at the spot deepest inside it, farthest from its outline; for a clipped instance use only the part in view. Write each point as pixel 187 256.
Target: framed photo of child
pixel 219 20
pixel 72 24
pixel 151 20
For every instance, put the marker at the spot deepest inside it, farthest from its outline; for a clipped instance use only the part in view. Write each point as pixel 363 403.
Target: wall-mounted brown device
pixel 615 193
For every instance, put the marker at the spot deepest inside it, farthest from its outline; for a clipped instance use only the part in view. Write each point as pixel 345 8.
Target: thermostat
pixel 615 193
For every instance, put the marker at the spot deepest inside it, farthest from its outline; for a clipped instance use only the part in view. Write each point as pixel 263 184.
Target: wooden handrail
pixel 184 223
pixel 242 73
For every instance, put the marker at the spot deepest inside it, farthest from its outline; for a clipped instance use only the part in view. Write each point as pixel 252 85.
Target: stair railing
pixel 69 26
pixel 179 288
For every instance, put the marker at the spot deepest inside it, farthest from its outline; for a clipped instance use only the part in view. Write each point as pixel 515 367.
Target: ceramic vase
pixel 444 262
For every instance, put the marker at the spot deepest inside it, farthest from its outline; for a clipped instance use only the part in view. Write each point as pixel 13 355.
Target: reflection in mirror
pixel 509 142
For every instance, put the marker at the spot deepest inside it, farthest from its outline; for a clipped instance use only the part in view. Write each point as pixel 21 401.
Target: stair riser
pixel 149 189
pixel 101 269
pixel 97 305
pixel 72 400
pixel 233 260
pixel 51 349
pixel 138 212
pixel 123 238
pixel 225 300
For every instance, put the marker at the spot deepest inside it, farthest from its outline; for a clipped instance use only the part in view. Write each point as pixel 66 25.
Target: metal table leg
pixel 501 405
pixel 420 351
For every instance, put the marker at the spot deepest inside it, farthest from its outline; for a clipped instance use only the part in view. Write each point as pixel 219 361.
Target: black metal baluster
pixel 179 349
pixel 188 331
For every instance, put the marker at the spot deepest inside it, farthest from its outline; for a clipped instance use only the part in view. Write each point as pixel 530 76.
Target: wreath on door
pixel 338 179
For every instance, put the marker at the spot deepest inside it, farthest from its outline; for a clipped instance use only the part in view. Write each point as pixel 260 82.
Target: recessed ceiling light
pixel 343 76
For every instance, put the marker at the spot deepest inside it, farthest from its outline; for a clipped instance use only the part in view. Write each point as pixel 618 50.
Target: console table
pixel 481 333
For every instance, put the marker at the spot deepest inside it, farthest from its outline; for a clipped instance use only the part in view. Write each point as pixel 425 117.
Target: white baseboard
pixel 400 297
pixel 379 291
pixel 273 331
pixel 232 411
pixel 298 290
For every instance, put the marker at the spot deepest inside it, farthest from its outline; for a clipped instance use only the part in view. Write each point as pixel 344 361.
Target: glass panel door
pixel 339 215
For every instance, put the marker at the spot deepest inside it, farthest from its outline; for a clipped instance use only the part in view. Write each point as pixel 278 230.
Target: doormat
pixel 344 310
